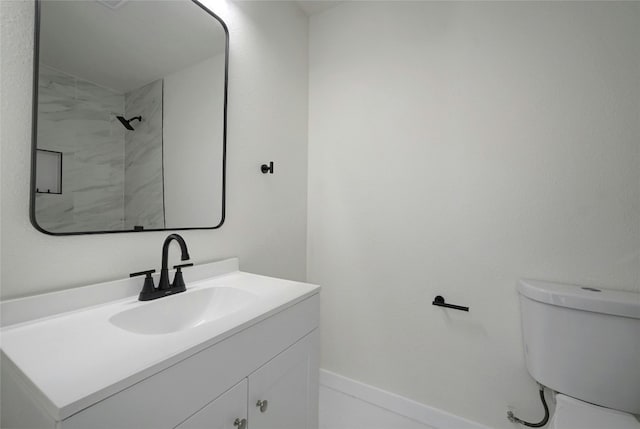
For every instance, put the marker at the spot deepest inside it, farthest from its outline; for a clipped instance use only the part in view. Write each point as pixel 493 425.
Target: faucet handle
pixel 177 267
pixel 141 273
pixel 178 280
pixel 148 291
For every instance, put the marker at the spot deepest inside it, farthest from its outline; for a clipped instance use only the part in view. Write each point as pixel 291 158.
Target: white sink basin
pixel 182 311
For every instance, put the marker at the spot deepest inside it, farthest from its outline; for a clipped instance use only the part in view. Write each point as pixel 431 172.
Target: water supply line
pixel 513 419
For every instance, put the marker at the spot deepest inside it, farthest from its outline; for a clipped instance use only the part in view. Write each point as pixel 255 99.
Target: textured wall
pixel 143 187
pixel 455 147
pixel 266 214
pixel 78 118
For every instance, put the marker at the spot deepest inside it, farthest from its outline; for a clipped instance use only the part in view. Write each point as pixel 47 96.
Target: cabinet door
pixel 283 394
pixel 228 411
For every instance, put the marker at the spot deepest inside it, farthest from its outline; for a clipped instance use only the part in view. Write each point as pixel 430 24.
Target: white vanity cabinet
pixel 275 355
pixel 281 395
pixel 256 368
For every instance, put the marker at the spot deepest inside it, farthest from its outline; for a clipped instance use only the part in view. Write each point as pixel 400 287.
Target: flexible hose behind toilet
pixel 512 418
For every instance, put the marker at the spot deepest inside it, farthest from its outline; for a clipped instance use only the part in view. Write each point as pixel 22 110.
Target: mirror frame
pixel 34 132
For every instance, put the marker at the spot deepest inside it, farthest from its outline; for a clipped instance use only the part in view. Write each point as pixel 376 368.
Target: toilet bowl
pixel 584 344
pixel 575 414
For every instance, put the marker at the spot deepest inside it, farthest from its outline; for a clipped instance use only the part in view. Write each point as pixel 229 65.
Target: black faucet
pixel 164 272
pixel 149 291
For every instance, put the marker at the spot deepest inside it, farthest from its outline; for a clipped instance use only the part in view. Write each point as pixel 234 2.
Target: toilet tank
pixel 583 342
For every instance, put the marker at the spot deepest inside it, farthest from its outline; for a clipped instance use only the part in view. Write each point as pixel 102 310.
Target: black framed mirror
pixel 132 95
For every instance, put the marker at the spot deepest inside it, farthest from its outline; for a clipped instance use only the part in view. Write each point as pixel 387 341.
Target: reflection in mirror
pixel 131 95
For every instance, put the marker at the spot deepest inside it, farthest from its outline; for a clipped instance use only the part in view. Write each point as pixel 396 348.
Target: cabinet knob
pixel 240 424
pixel 262 405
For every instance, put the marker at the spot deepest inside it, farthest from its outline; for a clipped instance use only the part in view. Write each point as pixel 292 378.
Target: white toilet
pixel 584 343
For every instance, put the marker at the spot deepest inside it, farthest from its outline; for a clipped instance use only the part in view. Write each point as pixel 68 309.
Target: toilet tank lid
pixel 606 301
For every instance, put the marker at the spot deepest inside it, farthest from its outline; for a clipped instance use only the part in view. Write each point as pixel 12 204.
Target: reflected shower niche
pixel 134 100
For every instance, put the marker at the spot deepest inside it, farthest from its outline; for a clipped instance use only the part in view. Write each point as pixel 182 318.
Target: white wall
pixel 266 215
pixel 455 147
pixel 193 113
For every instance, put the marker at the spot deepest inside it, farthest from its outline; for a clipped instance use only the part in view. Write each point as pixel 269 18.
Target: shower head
pixel 127 122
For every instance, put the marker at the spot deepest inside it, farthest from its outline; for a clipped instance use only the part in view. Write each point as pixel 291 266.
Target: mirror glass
pixel 129 116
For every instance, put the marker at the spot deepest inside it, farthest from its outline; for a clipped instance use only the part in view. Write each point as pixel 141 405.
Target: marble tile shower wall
pixel 78 118
pixel 143 185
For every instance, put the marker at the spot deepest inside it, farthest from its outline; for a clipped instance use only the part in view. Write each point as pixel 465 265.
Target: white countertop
pixel 72 360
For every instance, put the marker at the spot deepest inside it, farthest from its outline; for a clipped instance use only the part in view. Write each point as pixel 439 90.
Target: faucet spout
pixel 164 272
pixel 165 249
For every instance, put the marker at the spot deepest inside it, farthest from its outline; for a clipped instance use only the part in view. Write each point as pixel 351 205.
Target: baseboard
pixel 395 403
